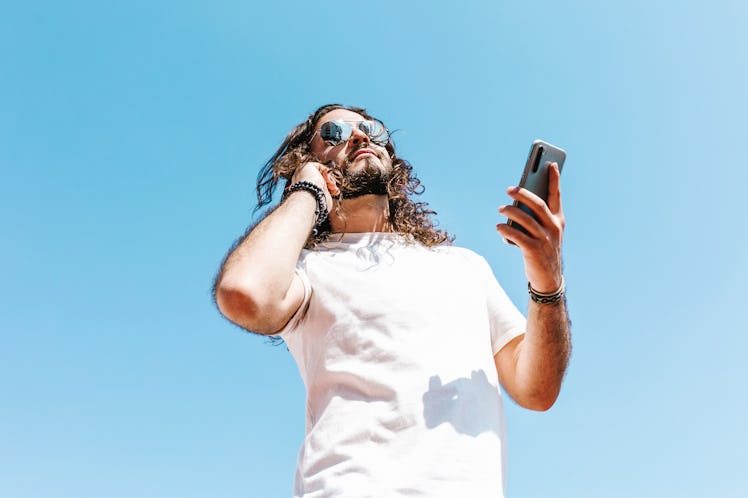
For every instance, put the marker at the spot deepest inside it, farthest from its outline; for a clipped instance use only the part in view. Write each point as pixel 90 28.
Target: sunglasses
pixel 338 131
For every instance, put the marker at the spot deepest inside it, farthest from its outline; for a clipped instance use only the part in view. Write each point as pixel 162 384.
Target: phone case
pixel 535 175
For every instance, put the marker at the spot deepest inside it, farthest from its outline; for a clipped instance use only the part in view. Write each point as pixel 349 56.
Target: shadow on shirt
pixel 471 406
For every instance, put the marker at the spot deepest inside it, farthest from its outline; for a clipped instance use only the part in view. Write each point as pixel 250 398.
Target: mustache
pixel 355 151
pixel 338 171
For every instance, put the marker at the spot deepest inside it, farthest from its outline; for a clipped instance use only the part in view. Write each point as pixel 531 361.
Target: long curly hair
pixel 406 215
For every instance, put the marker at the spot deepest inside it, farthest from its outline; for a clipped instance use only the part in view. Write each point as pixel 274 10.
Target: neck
pixel 367 213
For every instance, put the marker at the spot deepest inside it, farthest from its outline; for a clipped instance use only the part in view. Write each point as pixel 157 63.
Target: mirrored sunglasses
pixel 338 131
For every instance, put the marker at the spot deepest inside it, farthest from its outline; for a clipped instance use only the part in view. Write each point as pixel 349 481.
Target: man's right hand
pixel 318 174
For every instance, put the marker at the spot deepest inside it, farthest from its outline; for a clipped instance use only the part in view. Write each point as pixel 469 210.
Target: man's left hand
pixel 541 246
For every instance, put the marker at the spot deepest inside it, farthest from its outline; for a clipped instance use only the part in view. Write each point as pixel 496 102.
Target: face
pixel 358 153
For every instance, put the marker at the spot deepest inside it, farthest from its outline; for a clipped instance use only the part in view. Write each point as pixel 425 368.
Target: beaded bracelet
pixel 549 297
pixel 321 213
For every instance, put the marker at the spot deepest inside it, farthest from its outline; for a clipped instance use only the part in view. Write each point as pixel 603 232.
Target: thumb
pixel 332 187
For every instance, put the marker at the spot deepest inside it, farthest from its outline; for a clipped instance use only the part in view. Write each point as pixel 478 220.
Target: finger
pixel 554 189
pixel 517 215
pixel 532 201
pixel 332 187
pixel 514 235
pixel 306 171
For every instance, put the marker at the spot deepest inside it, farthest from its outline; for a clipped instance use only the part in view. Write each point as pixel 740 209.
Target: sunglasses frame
pixel 344 130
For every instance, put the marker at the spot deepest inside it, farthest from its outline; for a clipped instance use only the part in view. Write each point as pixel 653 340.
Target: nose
pixel 358 137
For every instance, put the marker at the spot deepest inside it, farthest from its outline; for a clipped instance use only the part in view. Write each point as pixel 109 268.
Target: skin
pixel 368 213
pixel 258 288
pixel 532 366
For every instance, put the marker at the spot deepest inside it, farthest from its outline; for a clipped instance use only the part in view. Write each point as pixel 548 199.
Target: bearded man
pixel 401 338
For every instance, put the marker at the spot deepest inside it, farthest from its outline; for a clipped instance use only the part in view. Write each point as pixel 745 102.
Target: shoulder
pixel 463 253
pixel 463 259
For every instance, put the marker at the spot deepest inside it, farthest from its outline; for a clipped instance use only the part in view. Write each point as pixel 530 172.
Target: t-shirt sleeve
pixel 506 321
pixel 297 317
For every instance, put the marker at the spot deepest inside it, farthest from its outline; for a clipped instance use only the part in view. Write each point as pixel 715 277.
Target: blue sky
pixel 131 134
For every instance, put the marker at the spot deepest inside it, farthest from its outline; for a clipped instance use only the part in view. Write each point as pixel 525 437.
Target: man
pixel 401 338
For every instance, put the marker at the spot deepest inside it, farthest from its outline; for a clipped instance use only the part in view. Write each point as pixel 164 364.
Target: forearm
pixel 260 269
pixel 533 366
pixel 543 354
pixel 268 254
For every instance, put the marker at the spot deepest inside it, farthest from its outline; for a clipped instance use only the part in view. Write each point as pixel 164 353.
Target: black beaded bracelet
pixel 321 213
pixel 547 298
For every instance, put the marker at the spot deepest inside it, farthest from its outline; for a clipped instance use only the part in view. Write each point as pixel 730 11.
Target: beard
pixel 371 178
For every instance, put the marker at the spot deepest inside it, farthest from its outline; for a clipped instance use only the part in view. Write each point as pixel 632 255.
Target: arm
pixel 257 287
pixel 531 367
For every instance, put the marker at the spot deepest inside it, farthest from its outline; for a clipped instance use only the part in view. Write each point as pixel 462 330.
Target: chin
pixel 367 176
pixel 367 161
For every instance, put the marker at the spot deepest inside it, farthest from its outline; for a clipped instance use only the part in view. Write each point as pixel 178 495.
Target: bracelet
pixel 547 297
pixel 321 213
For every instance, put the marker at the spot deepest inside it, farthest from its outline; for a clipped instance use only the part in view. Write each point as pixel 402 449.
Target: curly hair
pixel 406 215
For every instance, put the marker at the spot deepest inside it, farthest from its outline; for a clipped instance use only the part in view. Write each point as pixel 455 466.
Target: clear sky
pixel 131 134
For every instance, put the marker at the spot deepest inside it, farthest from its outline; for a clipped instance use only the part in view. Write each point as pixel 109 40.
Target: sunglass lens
pixel 331 132
pixel 375 130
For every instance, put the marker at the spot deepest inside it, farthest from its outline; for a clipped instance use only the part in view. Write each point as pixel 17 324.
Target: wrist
pixel 301 201
pixel 321 213
pixel 546 282
pixel 551 297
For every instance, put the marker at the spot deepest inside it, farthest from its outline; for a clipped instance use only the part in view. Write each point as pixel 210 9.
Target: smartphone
pixel 535 175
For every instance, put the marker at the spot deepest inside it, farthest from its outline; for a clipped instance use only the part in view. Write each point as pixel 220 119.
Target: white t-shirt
pixel 395 344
